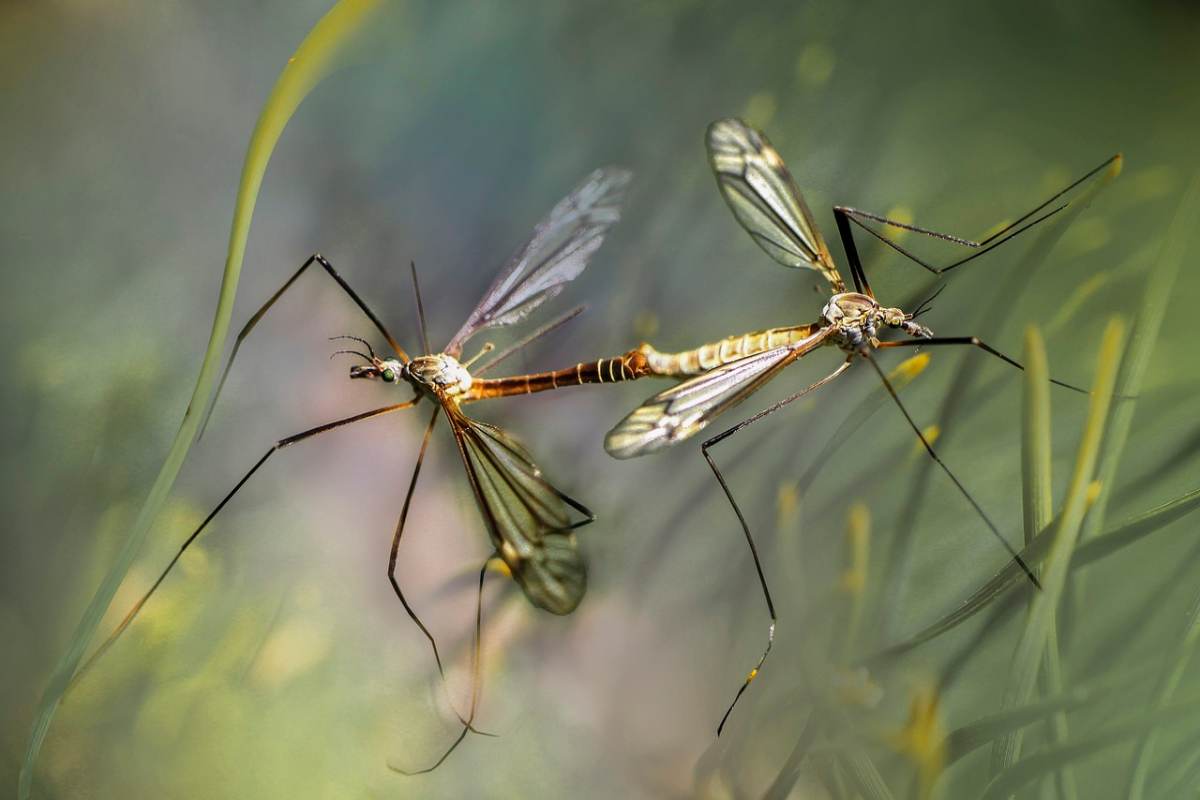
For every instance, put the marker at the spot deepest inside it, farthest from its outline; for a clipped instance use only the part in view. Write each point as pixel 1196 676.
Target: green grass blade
pixel 1167 685
pixel 1142 342
pixel 1005 299
pixel 1034 767
pixel 1038 511
pixel 1129 532
pixel 1037 492
pixel 1030 649
pixel 317 55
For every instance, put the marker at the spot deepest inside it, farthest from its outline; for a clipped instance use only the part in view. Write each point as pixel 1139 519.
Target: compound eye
pixel 388 375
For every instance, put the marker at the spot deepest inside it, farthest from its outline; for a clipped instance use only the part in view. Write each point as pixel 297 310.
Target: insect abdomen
pixel 627 367
pixel 714 354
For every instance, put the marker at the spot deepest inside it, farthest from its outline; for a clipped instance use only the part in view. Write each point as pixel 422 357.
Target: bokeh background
pixel 276 662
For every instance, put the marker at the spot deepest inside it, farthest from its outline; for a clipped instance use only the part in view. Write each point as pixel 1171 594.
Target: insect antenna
pixel 358 353
pixel 358 339
pixel 961 488
pixel 926 304
pixel 420 307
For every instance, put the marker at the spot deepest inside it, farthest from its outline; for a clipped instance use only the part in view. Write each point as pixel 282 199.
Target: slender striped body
pixel 715 354
pixel 627 367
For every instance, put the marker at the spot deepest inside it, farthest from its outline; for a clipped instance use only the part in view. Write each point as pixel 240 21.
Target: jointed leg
pixel 475 683
pixel 315 258
pixel 973 341
pixel 933 454
pixel 844 215
pixel 282 443
pixel 762 579
pixel 412 485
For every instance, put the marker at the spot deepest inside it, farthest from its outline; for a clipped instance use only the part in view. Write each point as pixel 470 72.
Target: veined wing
pixel 556 253
pixel 527 519
pixel 762 195
pixel 683 410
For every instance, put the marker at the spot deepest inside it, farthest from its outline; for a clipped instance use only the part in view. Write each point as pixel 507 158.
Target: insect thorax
pixel 438 373
pixel 858 318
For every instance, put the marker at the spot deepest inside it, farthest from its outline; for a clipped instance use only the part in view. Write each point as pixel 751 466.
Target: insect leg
pixel 279 445
pixel 412 485
pixel 475 683
pixel 315 258
pixel 963 489
pixel 758 568
pixel 973 341
pixel 844 215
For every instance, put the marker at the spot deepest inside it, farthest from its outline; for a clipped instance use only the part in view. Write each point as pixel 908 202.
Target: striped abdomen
pixel 714 354
pixel 627 367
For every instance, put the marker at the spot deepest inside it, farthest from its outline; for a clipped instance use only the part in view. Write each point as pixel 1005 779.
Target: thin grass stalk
pixel 319 54
pixel 1030 649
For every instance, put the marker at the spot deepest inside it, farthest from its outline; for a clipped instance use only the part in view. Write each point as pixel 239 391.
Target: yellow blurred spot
pixel 854 687
pixel 787 501
pixel 294 648
pixel 499 566
pixel 858 537
pixel 908 369
pixel 645 324
pixel 1086 235
pixel 760 109
pixel 814 65
pixel 1093 492
pixel 1055 178
pixel 753 674
pixel 1152 182
pixel 931 434
pixel 902 214
pixel 1117 165
pixel 922 739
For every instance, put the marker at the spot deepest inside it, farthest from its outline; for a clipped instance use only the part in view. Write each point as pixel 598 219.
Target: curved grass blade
pixel 1167 685
pixel 1027 658
pixel 1027 770
pixel 969 738
pixel 1132 530
pixel 1006 298
pixel 1038 510
pixel 319 54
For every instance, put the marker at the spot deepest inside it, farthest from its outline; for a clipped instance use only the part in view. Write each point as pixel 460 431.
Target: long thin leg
pixel 933 454
pixel 279 445
pixel 758 568
pixel 844 215
pixel 973 341
pixel 392 557
pixel 475 684
pixel 315 258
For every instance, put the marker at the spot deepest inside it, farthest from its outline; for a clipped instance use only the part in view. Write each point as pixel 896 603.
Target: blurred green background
pixel 276 662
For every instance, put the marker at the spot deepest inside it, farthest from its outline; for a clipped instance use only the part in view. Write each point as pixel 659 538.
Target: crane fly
pixel 765 200
pixel 528 519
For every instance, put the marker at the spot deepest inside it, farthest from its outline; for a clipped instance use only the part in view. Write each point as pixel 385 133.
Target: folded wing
pixel 527 519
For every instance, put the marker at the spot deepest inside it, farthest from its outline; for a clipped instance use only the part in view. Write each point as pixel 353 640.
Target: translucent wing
pixel 527 519
pixel 683 410
pixel 762 195
pixel 557 252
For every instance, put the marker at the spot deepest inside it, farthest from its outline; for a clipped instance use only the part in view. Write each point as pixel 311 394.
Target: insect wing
pixel 527 518
pixel 683 410
pixel 557 252
pixel 762 195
